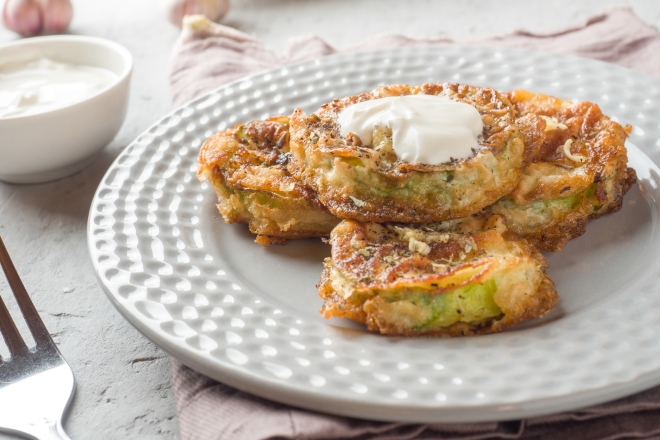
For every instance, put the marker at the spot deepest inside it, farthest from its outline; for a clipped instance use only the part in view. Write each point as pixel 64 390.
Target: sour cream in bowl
pixel 62 99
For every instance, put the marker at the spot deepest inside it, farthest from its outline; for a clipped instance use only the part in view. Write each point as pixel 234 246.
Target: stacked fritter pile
pixel 418 249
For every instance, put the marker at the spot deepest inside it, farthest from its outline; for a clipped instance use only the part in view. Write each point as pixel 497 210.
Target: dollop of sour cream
pixel 44 84
pixel 426 129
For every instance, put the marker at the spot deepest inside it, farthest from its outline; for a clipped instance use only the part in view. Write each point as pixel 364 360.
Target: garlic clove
pixel 23 17
pixel 214 10
pixel 57 14
pixel 222 8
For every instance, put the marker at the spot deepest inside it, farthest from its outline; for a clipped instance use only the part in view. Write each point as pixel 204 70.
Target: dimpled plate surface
pixel 247 315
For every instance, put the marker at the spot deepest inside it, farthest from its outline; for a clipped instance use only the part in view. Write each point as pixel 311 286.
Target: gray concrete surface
pixel 124 382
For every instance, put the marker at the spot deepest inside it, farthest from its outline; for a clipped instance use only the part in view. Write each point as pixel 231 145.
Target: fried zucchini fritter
pixel 247 168
pixel 369 183
pixel 579 170
pixel 460 277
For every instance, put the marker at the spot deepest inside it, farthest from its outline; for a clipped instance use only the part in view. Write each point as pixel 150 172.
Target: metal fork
pixel 36 384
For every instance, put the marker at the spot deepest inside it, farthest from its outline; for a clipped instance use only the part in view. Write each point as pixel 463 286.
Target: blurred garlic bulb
pixel 214 10
pixel 31 17
pixel 24 17
pixel 57 14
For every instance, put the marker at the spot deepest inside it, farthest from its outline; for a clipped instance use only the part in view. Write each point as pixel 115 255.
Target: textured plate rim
pixel 304 398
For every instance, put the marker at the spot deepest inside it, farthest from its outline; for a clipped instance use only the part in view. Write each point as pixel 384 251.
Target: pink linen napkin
pixel 208 55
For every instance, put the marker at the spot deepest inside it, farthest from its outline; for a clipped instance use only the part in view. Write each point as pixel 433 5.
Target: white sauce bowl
pixel 54 144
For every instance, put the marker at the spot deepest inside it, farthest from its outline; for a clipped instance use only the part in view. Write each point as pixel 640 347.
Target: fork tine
pixel 34 322
pixel 10 333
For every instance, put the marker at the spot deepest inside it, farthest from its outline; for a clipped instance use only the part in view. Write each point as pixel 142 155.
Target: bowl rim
pixel 65 39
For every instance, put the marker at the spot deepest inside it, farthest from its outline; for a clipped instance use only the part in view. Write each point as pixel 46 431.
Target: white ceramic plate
pixel 247 315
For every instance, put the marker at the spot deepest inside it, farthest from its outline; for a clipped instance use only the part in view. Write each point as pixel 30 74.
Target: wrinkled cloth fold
pixel 211 410
pixel 208 55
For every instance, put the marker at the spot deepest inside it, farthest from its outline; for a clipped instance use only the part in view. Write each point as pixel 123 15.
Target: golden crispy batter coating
pixel 461 277
pixel 579 170
pixel 369 183
pixel 247 168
